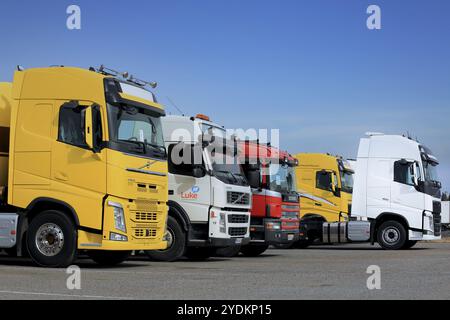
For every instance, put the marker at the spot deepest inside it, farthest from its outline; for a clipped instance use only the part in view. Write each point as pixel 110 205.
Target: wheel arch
pixel 42 204
pixel 178 213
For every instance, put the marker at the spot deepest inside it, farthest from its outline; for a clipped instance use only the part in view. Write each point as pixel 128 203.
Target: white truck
pixel 209 196
pixel 396 195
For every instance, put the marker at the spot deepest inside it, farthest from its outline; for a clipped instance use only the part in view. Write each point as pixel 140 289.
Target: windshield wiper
pixel 227 173
pixel 138 143
pixel 160 149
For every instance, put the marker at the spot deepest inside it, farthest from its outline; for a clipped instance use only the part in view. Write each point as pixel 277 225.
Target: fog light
pixel 117 237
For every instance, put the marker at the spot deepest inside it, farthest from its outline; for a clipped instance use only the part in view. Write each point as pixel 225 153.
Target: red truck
pixel 275 204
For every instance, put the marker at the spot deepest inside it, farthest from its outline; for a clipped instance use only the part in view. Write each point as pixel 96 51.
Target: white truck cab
pixel 209 199
pixel 396 195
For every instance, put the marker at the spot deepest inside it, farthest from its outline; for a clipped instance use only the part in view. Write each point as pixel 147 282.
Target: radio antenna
pixel 176 107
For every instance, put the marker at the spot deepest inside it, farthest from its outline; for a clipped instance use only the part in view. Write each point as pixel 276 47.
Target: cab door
pixel 78 173
pixel 327 195
pixel 192 193
pixel 406 199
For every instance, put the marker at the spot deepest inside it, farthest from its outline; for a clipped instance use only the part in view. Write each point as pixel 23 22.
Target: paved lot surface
pixel 336 272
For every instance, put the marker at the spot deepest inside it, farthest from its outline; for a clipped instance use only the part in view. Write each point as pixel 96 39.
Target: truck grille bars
pixel 237 232
pixel 238 218
pixel 238 198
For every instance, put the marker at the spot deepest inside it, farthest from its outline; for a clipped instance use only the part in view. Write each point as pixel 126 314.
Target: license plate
pixel 290 237
pixel 238 241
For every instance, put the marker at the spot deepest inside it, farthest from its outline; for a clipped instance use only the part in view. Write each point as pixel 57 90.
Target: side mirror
pixel 253 178
pixel 333 183
pixel 198 172
pixel 88 134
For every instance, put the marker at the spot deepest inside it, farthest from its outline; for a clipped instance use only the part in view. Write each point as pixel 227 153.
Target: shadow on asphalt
pixel 331 248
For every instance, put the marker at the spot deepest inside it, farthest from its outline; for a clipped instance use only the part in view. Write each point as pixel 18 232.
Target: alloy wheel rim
pixel 49 239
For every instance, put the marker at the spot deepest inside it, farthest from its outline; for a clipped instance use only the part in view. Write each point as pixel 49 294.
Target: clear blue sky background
pixel 310 68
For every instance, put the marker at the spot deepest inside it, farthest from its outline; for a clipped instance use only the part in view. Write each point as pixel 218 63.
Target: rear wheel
pixel 176 243
pixel 52 240
pixel 109 258
pixel 199 254
pixel 391 235
pixel 409 244
pixel 228 252
pixel 254 250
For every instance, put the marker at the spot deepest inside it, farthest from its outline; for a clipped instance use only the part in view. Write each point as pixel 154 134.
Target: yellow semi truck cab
pixel 86 166
pixel 325 185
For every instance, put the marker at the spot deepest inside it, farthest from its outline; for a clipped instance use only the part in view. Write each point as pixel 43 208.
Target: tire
pixel 52 240
pixel 409 244
pixel 177 243
pixel 254 250
pixel 228 252
pixel 108 258
pixel 199 254
pixel 391 235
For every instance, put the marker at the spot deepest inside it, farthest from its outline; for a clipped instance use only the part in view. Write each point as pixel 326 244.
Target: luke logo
pixel 74 19
pixel 191 195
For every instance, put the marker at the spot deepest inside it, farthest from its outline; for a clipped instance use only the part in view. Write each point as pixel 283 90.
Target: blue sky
pixel 310 68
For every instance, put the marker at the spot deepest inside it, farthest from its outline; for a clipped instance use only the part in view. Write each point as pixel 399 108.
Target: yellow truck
pixel 83 167
pixel 325 185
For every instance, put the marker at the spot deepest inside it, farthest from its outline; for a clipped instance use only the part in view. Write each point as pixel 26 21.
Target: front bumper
pixel 270 236
pixel 224 243
pixel 145 227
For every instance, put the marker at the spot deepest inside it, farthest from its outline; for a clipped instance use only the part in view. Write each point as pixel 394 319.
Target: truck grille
pixel 145 233
pixel 238 198
pixel 238 218
pixel 236 232
pixel 146 216
pixel 437 225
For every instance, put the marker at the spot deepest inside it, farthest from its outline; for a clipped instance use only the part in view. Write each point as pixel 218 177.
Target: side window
pixel 404 172
pixel 186 167
pixel 323 180
pixel 71 125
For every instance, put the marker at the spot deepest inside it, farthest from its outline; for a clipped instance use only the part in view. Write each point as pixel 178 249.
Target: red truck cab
pixel 275 206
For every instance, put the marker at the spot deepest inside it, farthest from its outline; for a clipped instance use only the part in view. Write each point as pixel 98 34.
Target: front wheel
pixel 391 235
pixel 109 258
pixel 52 240
pixel 176 243
pixel 254 250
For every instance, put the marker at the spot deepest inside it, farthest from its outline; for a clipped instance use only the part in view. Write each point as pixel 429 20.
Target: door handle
pixel 61 176
pixel 318 204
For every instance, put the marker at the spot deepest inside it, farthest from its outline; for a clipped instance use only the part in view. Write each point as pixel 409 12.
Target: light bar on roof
pixel 137 92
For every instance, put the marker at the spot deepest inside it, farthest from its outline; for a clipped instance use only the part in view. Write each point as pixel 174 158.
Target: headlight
pixel 119 216
pixel 223 223
pixel 273 225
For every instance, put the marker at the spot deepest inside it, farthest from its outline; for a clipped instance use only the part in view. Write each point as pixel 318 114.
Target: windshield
pixel 136 130
pixel 347 181
pixel 430 170
pixel 282 178
pixel 227 169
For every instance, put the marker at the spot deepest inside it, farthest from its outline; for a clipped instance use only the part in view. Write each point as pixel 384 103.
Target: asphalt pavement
pixel 326 272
